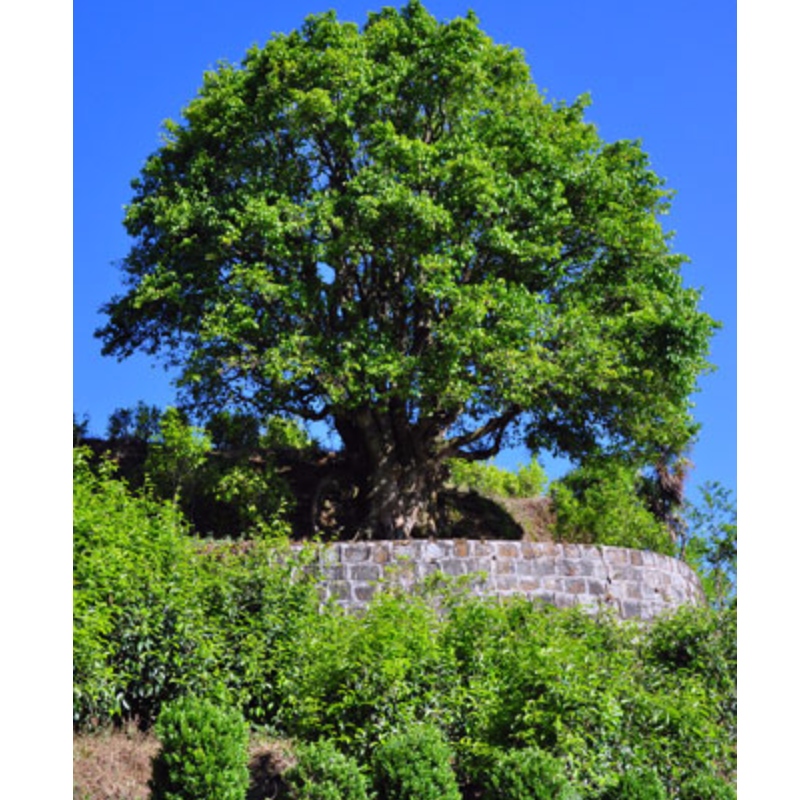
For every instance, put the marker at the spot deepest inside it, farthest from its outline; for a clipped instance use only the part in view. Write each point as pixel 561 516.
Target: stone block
pixel 364 593
pixel 572 551
pixel 505 566
pixel 575 585
pixel 508 550
pixel 340 590
pixel 365 572
pixel 616 555
pixel 433 551
pixel 454 566
pixel 529 585
pixel 461 548
pixel 356 551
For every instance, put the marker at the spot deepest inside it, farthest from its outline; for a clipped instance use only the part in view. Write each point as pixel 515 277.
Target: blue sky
pixel 663 73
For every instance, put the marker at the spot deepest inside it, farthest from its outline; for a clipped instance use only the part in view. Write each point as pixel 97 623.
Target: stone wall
pixel 637 584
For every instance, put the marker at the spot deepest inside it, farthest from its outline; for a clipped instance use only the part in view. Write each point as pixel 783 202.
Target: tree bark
pixel 399 470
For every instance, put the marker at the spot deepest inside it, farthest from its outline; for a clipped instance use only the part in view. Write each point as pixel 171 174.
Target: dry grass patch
pixel 112 765
pixel 116 765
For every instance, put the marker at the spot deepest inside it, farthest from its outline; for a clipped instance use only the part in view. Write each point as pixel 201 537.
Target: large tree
pixel 388 227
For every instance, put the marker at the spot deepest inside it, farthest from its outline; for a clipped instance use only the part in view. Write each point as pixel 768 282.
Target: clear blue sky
pixel 664 73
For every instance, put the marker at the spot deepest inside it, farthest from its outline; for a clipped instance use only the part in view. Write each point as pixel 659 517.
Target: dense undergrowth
pixel 585 703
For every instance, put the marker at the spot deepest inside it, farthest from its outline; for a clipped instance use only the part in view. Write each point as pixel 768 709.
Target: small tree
pixel 390 229
pixel 177 454
pixel 140 423
pixel 605 503
pixel 711 542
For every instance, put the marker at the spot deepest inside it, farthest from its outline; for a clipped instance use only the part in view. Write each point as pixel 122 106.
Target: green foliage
pixel 203 753
pixel 706 786
pixel 711 542
pixel 282 432
pixel 177 454
pixel 588 691
pixel 391 229
pixel 415 764
pixel 137 628
pixel 527 774
pixel 256 497
pixel 602 503
pixel 224 481
pixel 153 617
pixel 232 431
pixel 140 423
pixel 357 679
pixel 324 773
pixel 257 602
pixel 489 479
pixel 636 785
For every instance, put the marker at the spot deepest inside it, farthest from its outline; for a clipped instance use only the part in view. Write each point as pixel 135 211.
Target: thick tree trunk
pixel 399 473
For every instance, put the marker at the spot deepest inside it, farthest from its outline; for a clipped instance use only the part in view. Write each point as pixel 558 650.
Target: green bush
pixel 706 786
pixel 494 481
pixel 258 602
pixel 589 690
pixel 356 679
pixel 527 774
pixel 138 628
pixel 203 753
pixel 415 765
pixel 323 772
pixel 642 784
pixel 602 503
pixel 156 617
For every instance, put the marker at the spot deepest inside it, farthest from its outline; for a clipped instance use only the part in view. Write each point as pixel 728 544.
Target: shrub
pixel 527 774
pixel 324 773
pixel 642 784
pixel 138 632
pixel 602 503
pixel 415 765
pixel 706 786
pixel 356 679
pixel 203 753
pixel 491 480
pixel 256 602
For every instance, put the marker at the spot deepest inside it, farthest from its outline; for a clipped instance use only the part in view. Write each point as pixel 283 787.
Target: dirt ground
pixel 115 765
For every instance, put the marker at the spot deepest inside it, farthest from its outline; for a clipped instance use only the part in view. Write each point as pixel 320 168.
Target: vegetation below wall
pixel 511 689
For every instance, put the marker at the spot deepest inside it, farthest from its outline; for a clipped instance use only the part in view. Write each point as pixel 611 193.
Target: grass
pixel 115 765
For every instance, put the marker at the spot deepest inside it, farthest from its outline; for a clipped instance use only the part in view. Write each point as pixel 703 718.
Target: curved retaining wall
pixel 637 584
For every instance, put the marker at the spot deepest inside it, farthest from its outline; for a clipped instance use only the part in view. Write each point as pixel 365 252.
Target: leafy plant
pixel 706 786
pixel 322 772
pixel 257 602
pixel 176 455
pixel 528 774
pixel 711 542
pixel 643 784
pixel 356 680
pixel 140 423
pixel 415 764
pixel 489 479
pixel 203 753
pixel 138 630
pixel 601 503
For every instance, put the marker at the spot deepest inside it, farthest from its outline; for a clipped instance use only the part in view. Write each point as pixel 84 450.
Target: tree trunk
pixel 399 472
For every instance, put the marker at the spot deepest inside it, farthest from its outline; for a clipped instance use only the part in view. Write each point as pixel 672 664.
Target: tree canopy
pixel 390 228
